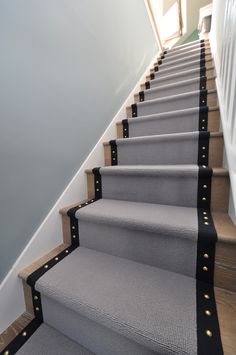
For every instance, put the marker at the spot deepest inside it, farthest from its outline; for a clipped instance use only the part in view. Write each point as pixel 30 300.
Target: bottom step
pixel 47 340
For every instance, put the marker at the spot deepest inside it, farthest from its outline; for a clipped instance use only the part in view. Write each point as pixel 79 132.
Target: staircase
pixel 148 261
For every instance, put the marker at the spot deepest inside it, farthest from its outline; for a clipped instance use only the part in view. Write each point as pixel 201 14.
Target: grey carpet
pixel 48 341
pixel 177 148
pixel 183 60
pixel 130 287
pixel 169 103
pixel 142 232
pixel 186 120
pixel 179 87
pixel 127 297
pixel 177 55
pixel 175 185
pixel 184 47
pixel 174 78
pixel 173 69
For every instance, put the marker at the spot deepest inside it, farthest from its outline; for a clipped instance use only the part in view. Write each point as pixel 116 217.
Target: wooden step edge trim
pixel 226 309
pixel 14 329
pixel 24 273
pixel 225 254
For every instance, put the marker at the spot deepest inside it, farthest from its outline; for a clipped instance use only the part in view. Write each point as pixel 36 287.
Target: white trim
pixel 49 234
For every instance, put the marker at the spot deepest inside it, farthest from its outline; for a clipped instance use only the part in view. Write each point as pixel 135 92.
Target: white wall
pixel 68 68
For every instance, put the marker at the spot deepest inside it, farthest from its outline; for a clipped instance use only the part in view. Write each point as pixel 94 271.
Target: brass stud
pixel 74 236
pixel 205 217
pixel 67 251
pixel 86 203
pixel 205 256
pixel 204 199
pixel 125 136
pixel 208 333
pixel 24 334
pixel 114 159
pixel 207 312
pixel 203 120
pixel 203 127
pixel 73 227
pixel 97 190
pixel 205 268
pixel 125 129
pixel 206 223
pixel 6 352
pixel 113 152
pixel 203 101
pixel 91 200
pixel 206 296
pixel 45 266
pixel 203 148
pixel 205 186
pixel 204 166
pixel 36 298
pixel 204 212
pixel 56 258
pixel 37 308
pixel 203 156
pixel 97 182
pixel 80 206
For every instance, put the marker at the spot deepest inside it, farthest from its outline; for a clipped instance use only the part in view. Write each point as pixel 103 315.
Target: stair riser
pixel 182 76
pixel 173 103
pixel 182 88
pixel 95 337
pixel 184 60
pixel 206 50
pixel 165 125
pixel 210 71
pixel 161 190
pixel 163 71
pixel 182 151
pixel 141 246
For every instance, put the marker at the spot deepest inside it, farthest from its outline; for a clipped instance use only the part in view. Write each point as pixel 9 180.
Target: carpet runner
pixel 138 277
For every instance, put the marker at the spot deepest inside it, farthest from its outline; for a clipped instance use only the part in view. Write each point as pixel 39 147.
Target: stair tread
pixel 47 340
pixel 173 97
pixel 167 114
pixel 175 85
pixel 139 301
pixel 163 219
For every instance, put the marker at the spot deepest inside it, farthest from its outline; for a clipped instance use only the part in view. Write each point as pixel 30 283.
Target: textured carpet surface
pixel 190 52
pixel 48 341
pixel 162 184
pixel 142 232
pixel 186 120
pixel 181 148
pixel 128 297
pixel 175 78
pixel 168 70
pixel 169 103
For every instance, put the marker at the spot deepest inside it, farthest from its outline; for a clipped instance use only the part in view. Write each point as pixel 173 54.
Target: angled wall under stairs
pixel 147 264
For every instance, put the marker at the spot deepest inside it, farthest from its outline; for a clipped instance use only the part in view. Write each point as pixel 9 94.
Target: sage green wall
pixel 66 66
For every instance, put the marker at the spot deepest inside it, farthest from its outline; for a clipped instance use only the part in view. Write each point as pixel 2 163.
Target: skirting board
pixel 49 234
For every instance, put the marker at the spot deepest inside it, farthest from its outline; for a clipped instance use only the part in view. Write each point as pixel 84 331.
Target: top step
pixel 187 46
